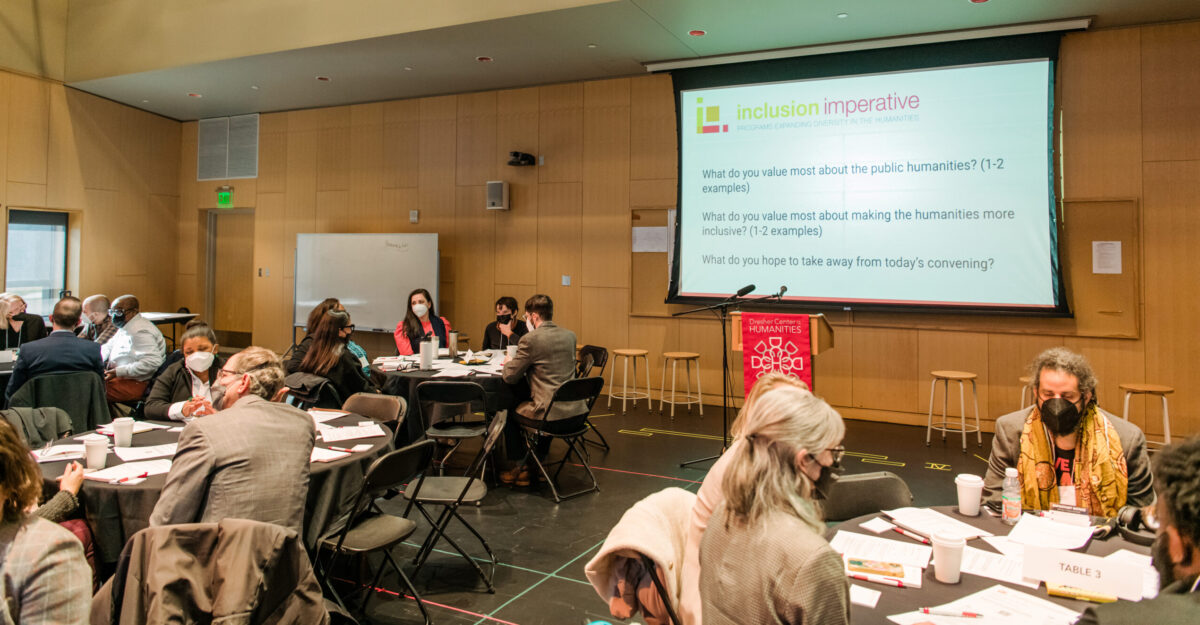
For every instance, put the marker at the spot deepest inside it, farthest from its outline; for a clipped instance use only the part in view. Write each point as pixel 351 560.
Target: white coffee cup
pixel 96 453
pixel 947 556
pixel 970 492
pixel 427 352
pixel 123 432
pixel 512 351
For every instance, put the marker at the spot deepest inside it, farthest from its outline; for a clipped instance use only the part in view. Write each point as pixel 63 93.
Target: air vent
pixel 228 148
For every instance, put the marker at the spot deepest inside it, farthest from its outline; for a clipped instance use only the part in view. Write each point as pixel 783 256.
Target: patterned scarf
pixel 1099 472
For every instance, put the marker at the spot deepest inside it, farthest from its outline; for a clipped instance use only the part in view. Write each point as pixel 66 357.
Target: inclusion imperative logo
pixel 708 119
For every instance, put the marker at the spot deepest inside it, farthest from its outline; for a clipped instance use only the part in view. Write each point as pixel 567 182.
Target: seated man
pixel 132 356
pixel 61 352
pixel 247 461
pixel 1065 448
pixel 1176 549
pixel 99 327
pixel 545 359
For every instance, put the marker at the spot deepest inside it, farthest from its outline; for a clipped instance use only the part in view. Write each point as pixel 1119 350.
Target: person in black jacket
pixel 506 330
pixel 184 389
pixel 329 357
pixel 61 352
pixel 19 326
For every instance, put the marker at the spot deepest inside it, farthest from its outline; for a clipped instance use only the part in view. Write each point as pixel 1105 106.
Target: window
pixel 37 257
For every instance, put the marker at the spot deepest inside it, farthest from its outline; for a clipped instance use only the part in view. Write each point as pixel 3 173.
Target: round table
pixel 499 396
pixel 933 593
pixel 115 512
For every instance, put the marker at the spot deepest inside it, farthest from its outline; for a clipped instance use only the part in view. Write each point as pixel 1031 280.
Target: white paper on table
pixel 1149 574
pixel 333 435
pixel 995 566
pixel 59 453
pixel 1036 531
pixel 321 416
pixel 130 470
pixel 926 522
pixel 320 454
pixel 911 579
pixel 883 549
pixel 131 454
pixel 998 605
pixel 178 428
pixel 138 427
pixel 92 437
pixel 863 596
pixel 493 369
pixel 877 525
pixel 1006 546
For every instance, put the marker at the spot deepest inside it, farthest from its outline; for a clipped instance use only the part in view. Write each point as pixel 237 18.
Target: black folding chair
pixel 369 529
pixel 453 402
pixel 571 430
pixel 592 357
pixel 450 493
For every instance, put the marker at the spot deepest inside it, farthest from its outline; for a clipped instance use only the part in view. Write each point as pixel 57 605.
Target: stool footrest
pixel 949 426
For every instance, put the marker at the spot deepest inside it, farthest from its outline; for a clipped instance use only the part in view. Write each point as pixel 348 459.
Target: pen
pixel 129 477
pixel 879 580
pixel 911 535
pixel 342 449
pixel 937 612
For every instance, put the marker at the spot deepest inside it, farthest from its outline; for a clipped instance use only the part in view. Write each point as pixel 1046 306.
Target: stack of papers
pixel 138 427
pixel 130 454
pixel 1036 531
pixel 1149 574
pixel 320 454
pixel 321 416
pixel 926 522
pixel 995 566
pixel 130 472
pixel 875 548
pixel 333 435
pixel 996 605
pixel 59 453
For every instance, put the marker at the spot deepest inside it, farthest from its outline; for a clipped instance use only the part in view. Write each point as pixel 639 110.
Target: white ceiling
pixel 552 47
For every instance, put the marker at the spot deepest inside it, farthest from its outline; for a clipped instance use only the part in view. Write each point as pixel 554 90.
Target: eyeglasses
pixel 349 327
pixel 838 453
pixel 224 371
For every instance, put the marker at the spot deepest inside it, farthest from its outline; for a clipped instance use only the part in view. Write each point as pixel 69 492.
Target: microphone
pixel 779 295
pixel 749 288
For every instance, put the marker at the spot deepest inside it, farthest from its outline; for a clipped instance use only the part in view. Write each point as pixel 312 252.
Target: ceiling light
pixel 324 78
pixel 696 32
pixel 484 59
pixel 408 69
pixel 842 16
pixel 195 95
pixel 254 87
pixel 592 45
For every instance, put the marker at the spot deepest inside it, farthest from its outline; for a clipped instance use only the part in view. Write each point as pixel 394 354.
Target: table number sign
pixel 1090 573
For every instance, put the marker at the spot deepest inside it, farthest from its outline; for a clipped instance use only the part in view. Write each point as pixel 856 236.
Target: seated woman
pixel 763 558
pixel 20 326
pixel 184 390
pixel 292 364
pixel 329 357
pixel 46 578
pixel 419 322
pixel 506 330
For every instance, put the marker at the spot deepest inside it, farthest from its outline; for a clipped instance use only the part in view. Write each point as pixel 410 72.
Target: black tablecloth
pixel 933 592
pixel 115 512
pixel 404 384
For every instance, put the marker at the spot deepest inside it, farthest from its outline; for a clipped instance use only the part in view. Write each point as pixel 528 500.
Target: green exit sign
pixel 225 199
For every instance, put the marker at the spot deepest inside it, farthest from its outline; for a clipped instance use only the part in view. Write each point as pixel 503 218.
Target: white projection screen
pixel 930 188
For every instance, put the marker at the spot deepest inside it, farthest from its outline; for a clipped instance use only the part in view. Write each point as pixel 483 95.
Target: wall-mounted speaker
pixel 497 195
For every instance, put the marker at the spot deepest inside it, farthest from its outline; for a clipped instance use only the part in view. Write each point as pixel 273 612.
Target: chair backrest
pixel 382 408
pixel 865 493
pixel 591 357
pixel 80 394
pixel 397 468
pixel 38 426
pixel 448 400
pixel 586 390
pixel 495 427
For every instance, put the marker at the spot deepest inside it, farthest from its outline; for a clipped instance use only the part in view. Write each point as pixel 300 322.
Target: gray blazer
pixel 546 357
pixel 1006 447
pixel 249 461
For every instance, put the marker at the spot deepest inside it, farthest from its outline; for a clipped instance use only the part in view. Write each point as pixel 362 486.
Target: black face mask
pixel 1060 415
pixel 824 484
pixel 503 319
pixel 118 320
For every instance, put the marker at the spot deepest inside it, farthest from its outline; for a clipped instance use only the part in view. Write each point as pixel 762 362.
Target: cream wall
pixel 1130 102
pixel 33 35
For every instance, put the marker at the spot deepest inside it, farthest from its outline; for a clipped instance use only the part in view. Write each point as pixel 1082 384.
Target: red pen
pixel 127 478
pixel 937 612
pixel 911 535
pixel 879 580
pixel 349 451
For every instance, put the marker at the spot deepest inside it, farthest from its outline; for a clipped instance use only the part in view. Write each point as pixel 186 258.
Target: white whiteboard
pixel 371 274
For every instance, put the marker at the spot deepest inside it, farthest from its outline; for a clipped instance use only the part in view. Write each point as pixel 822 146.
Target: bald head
pixel 66 313
pixel 127 303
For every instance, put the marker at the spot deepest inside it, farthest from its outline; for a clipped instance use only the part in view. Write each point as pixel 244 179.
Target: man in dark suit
pixel 545 360
pixel 61 352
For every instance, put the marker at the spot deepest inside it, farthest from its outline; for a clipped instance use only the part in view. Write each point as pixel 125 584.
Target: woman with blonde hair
pixel 19 325
pixel 763 558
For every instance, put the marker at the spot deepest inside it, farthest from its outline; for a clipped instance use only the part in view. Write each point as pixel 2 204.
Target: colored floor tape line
pixel 859 455
pixel 707 437
pixel 635 433
pixel 933 466
pixel 890 463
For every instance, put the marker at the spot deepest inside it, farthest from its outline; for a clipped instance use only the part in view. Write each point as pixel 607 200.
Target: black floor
pixel 542 547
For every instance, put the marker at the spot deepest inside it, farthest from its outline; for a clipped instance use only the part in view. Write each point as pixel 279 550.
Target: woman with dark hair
pixel 45 577
pixel 329 357
pixel 184 390
pixel 292 364
pixel 419 322
pixel 506 330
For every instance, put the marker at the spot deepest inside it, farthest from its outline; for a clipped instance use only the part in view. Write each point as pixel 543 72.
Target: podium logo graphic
pixel 708 119
pixel 774 354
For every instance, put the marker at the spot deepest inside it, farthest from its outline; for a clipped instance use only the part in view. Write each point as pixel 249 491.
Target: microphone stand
pixel 723 309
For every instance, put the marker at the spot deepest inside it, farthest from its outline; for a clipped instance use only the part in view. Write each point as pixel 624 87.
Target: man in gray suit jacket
pixel 249 460
pixel 545 360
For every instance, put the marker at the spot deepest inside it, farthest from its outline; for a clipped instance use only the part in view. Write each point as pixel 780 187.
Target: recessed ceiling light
pixel 842 16
pixel 484 59
pixel 254 87
pixel 195 95
pixel 592 45
pixel 324 78
pixel 408 69
pixel 696 32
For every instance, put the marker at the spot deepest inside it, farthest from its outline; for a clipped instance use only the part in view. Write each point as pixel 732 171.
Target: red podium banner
pixel 774 342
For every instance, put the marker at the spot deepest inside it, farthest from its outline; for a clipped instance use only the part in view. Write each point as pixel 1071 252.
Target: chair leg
pixel 687 378
pixel 674 398
pixel 408 583
pixel 1125 412
pixel 1166 421
pixel 962 412
pixel 612 382
pixel 646 361
pixel 438 531
pixel 929 421
pixel 603 442
pixel 625 382
pixel 945 403
pixel 978 429
pixel 699 391
pixel 662 391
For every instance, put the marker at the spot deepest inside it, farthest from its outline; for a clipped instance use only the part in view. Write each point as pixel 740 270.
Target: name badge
pixel 1090 573
pixel 1066 495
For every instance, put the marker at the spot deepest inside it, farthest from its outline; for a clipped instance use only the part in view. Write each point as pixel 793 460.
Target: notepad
pixel 333 435
pixel 131 454
pixel 320 454
pixel 130 472
pixel 322 416
pixel 59 453
pixel 883 549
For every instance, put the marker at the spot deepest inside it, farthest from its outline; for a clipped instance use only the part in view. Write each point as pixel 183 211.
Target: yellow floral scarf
pixel 1099 472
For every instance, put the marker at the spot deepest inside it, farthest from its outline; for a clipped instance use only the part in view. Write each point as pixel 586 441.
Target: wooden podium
pixel 820 333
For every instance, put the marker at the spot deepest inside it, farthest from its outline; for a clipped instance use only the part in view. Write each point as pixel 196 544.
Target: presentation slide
pixel 917 188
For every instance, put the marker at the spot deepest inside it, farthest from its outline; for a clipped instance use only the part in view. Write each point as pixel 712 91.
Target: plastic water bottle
pixel 1010 498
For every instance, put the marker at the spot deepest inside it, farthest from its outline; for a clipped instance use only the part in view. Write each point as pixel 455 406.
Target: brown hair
pixel 542 305
pixel 20 478
pixel 327 346
pixel 326 305
pixel 198 329
pixel 412 324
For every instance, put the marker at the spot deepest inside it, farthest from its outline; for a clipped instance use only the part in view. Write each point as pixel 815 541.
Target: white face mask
pixel 420 309
pixel 529 325
pixel 199 361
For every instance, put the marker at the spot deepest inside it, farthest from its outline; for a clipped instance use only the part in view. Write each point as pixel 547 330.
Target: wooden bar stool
pixel 943 426
pixel 1150 389
pixel 627 355
pixel 1026 389
pixel 673 359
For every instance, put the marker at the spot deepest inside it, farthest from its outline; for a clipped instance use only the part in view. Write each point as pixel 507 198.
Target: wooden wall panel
pixel 64 176
pixel 333 158
pixel 606 218
pixel 885 367
pixel 270 244
pixel 1170 90
pixel 605 317
pixel 301 212
pixel 475 273
pixel 653 193
pixel 517 130
pixel 5 79
pixel 272 157
pixel 477 160
pixel 28 129
pixel 1115 362
pixel 233 275
pixel 1008 360
pixel 833 371
pixel 560 139
pixel 654 146
pixel 703 336
pixel 559 245
pixel 655 335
